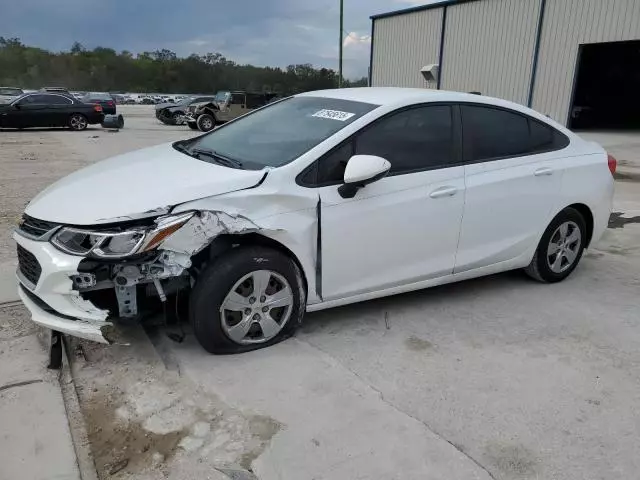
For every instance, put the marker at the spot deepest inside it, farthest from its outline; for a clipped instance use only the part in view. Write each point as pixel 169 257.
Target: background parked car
pixel 8 94
pixel 107 102
pixel 42 109
pixel 172 113
pixel 224 107
pixel 55 90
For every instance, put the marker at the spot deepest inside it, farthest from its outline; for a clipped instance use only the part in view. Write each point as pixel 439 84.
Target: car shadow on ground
pixel 419 299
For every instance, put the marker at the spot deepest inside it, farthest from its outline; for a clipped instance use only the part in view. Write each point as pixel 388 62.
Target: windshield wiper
pixel 216 157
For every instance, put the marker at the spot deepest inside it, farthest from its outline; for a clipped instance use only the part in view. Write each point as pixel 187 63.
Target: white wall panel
pixel 402 45
pixel 489 47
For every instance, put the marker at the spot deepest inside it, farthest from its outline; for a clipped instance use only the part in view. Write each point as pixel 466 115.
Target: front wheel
pixel 560 248
pixel 250 298
pixel 177 118
pixel 206 122
pixel 77 122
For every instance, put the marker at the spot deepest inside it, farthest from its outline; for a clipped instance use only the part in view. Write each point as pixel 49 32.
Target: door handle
pixel 543 171
pixel 444 192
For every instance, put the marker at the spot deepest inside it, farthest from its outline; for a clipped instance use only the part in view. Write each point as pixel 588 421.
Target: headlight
pixel 113 244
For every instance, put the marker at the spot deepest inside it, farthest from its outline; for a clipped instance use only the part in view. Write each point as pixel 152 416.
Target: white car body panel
pixel 392 232
pixel 400 233
pixel 139 184
pixel 498 225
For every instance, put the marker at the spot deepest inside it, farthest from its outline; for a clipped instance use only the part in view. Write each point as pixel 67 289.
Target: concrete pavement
pixel 35 442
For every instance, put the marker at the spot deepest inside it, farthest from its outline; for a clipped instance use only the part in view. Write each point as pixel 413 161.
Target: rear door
pixel 513 180
pixel 57 109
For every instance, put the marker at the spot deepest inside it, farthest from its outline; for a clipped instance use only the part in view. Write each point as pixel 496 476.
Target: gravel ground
pixel 497 378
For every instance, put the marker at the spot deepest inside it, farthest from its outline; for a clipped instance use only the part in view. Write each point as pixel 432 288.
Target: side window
pixel 29 99
pixel 331 166
pixel 55 100
pixel 415 139
pixel 37 99
pixel 492 133
pixel 237 98
pixel 255 100
pixel 545 138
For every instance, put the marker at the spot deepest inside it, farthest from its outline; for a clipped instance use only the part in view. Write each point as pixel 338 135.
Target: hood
pixel 160 106
pixel 135 185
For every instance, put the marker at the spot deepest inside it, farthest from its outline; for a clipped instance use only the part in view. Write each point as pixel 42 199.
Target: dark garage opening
pixel 607 89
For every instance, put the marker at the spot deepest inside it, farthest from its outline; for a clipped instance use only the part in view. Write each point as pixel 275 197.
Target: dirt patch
pixel 417 344
pixel 144 421
pixel 119 444
pixel 513 461
pixel 15 321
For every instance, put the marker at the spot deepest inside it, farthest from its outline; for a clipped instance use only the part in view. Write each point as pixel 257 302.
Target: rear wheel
pixel 192 125
pixel 206 122
pixel 77 122
pixel 250 298
pixel 560 248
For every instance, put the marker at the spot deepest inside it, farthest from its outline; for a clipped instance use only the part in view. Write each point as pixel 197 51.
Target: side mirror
pixel 362 170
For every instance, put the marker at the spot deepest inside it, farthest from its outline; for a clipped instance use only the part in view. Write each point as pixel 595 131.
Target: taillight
pixel 613 164
pixel 110 103
pixel 97 108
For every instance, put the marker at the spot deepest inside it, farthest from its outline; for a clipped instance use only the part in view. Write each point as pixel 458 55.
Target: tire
pixel 77 122
pixel 176 117
pixel 206 122
pixel 192 125
pixel 230 281
pixel 556 241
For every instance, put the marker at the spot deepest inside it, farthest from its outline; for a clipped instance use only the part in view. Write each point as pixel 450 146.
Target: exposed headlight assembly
pixel 118 244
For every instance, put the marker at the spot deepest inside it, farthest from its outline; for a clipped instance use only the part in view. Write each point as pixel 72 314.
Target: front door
pixel 512 185
pixel 31 111
pixel 403 228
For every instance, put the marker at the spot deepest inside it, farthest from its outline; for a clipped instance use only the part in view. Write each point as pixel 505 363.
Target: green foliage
pixel 104 69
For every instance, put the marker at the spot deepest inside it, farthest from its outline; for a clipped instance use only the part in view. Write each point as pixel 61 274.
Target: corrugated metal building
pixel 574 60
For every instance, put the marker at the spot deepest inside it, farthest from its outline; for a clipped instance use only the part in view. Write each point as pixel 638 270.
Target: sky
pixel 260 32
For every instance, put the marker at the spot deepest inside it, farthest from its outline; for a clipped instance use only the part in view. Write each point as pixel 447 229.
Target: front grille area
pixel 29 265
pixel 36 227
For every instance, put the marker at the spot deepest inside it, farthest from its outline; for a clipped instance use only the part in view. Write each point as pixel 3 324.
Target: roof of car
pixel 392 95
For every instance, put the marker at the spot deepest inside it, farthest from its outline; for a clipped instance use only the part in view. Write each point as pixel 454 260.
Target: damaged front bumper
pixel 46 289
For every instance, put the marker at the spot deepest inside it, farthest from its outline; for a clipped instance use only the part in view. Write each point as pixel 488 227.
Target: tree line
pixel 105 70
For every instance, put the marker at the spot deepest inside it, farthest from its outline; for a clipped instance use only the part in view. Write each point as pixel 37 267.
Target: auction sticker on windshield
pixel 333 115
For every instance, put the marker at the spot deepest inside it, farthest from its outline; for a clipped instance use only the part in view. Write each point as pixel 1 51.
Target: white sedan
pixel 315 201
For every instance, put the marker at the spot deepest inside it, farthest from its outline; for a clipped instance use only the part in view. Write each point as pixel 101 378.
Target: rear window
pixel 281 132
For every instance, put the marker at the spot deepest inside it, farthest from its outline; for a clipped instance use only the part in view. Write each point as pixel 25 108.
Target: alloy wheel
pixel 257 307
pixel 78 122
pixel 564 247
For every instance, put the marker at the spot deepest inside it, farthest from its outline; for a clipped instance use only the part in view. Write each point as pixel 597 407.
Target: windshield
pixel 10 91
pixel 222 96
pixel 281 132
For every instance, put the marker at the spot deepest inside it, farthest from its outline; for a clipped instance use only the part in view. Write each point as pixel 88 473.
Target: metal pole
pixel 341 39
